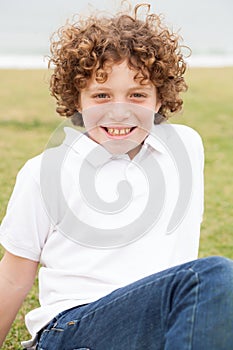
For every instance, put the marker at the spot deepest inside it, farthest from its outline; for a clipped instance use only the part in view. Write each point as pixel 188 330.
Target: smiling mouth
pixel 118 131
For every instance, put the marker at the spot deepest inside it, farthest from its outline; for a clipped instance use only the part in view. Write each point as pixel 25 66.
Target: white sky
pixel 26 25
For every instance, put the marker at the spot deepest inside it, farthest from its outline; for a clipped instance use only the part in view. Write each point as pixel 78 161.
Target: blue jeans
pixel 186 307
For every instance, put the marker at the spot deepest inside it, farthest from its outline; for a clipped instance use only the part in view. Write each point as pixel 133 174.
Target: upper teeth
pixel 114 131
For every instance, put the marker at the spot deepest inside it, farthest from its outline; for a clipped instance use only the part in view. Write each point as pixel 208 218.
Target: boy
pixel 116 271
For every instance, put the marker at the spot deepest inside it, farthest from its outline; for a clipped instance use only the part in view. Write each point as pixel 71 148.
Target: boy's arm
pixel 16 279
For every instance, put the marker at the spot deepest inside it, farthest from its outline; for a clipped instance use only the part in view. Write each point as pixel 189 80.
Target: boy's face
pixel 123 110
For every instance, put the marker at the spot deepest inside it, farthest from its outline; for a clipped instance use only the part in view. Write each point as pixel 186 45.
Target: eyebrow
pixel 131 88
pixel 98 88
pixel 141 87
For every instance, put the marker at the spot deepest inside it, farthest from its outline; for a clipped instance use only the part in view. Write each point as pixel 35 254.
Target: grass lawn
pixel 28 118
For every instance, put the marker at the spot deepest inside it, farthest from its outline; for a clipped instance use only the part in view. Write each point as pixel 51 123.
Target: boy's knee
pixel 217 272
pixel 220 264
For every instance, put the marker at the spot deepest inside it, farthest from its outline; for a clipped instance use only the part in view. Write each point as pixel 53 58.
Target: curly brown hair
pixel 88 46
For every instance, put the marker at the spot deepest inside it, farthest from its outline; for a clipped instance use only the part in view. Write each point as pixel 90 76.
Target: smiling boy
pixel 112 275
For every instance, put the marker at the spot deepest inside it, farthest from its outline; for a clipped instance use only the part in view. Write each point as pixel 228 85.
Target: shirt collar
pixel 87 148
pixel 84 145
pixel 156 139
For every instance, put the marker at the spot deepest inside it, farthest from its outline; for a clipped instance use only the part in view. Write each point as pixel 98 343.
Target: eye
pixel 101 95
pixel 138 95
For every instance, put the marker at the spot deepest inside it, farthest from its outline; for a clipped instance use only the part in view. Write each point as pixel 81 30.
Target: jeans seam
pixel 163 320
pixel 194 311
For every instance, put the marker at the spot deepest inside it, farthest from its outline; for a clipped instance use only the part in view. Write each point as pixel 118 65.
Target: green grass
pixel 28 118
pixel 209 110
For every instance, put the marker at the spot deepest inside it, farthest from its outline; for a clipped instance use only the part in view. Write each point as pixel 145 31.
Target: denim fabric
pixel 189 306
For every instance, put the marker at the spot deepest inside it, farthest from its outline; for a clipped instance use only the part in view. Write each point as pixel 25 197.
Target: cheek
pixel 147 123
pixel 92 117
pixel 89 122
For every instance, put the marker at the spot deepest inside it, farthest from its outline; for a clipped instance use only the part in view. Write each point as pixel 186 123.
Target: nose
pixel 119 112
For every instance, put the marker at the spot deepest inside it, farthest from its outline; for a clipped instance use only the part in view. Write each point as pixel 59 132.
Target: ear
pixel 78 108
pixel 78 104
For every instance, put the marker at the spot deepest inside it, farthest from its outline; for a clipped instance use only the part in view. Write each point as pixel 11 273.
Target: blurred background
pixel 26 26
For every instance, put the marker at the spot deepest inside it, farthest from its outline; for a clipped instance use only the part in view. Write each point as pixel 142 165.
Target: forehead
pixel 119 73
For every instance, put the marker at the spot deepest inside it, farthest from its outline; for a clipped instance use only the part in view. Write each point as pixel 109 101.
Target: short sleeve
pixel 26 224
pixel 193 141
pixel 198 160
pixel 201 158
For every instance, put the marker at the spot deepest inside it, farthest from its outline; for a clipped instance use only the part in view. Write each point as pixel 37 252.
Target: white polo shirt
pixel 92 237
